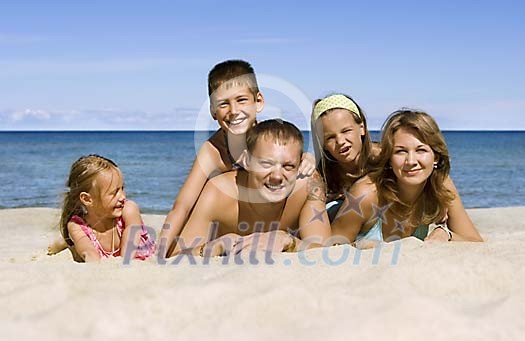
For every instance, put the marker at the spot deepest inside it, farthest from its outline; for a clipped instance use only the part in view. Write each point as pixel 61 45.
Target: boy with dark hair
pixel 235 100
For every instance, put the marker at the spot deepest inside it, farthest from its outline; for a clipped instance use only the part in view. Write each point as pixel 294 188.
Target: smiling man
pixel 265 196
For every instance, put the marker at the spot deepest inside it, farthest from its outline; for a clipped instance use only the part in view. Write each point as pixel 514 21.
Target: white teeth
pixel 238 121
pixel 274 187
pixel 344 150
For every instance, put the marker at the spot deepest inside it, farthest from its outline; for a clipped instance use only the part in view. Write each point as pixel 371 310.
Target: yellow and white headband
pixel 334 102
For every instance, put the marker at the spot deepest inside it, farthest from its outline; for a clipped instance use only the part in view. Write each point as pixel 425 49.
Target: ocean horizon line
pixel 486 165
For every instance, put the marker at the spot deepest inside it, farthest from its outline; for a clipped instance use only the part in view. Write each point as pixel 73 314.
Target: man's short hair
pixel 239 71
pixel 275 130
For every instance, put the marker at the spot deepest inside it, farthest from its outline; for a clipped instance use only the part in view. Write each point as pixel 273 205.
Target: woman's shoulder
pixel 449 184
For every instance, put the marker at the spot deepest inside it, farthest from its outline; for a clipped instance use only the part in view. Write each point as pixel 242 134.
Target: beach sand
pixel 452 291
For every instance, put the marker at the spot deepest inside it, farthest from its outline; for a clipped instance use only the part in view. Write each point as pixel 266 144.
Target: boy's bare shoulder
pixel 210 158
pixel 208 150
pixel 217 147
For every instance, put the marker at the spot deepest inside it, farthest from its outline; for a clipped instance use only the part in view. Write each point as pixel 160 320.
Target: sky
pixel 143 65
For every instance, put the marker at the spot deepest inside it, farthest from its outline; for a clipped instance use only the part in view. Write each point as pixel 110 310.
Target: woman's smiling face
pixel 412 160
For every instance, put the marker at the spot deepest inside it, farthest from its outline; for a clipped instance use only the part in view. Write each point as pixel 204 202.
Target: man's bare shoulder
pixel 223 186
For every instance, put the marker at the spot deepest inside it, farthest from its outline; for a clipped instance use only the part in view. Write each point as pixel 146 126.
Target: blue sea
pixel 486 165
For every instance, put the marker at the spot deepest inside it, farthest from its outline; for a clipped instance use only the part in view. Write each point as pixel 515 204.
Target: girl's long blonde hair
pixel 432 205
pixel 81 179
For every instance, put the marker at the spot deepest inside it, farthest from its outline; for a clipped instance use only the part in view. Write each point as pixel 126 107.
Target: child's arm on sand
pixel 83 245
pixel 131 216
pixel 207 162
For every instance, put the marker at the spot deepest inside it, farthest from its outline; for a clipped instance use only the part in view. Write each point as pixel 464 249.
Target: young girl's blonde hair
pixel 431 206
pixel 81 179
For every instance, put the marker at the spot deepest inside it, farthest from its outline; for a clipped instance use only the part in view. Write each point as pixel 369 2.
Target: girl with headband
pixel 409 190
pixel 341 144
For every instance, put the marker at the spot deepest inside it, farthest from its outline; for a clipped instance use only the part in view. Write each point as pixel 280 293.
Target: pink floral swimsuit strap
pixel 146 247
pixel 91 235
pixel 144 250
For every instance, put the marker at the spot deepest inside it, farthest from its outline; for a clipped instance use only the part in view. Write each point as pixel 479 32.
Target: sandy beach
pixel 453 291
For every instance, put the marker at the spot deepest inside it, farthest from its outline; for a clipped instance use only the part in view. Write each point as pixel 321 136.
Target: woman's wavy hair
pixel 327 165
pixel 81 179
pixel 435 198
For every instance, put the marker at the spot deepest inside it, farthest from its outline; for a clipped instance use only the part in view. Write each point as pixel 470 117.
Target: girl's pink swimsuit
pixel 145 249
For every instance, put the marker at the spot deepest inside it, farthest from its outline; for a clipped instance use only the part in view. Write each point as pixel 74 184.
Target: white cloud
pixel 500 114
pixel 480 115
pixel 29 114
pixel 98 119
pixel 489 115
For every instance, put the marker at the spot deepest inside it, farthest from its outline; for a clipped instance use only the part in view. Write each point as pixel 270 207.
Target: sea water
pixel 486 165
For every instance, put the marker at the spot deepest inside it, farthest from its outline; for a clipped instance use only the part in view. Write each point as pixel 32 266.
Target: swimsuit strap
pixel 147 245
pixel 91 235
pixel 145 249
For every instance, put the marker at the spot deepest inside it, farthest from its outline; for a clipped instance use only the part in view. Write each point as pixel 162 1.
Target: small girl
pixel 342 145
pixel 95 213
